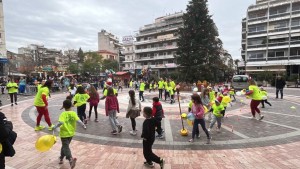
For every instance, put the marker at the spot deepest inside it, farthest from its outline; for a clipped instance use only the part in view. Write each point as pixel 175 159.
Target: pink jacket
pixel 111 103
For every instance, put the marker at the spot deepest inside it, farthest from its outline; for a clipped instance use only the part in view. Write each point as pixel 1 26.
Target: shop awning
pixel 120 73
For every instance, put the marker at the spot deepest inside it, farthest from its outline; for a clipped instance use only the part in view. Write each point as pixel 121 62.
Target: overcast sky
pixel 67 24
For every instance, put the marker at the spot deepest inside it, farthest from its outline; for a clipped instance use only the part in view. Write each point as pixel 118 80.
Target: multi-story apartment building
pixel 3 55
pixel 129 54
pixel 108 45
pixel 156 44
pixel 271 37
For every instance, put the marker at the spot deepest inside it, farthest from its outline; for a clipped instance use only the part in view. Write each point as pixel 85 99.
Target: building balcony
pixel 157 31
pixel 155 49
pixel 257 7
pixel 257 32
pixel 296 42
pixel 279 43
pixel 294 57
pixel 295 27
pixel 279 29
pixel 154 58
pixel 278 58
pixel 158 66
pixel 155 40
pixel 256 46
pixel 258 18
pixel 127 52
pixel 295 12
pixel 256 59
pixel 128 61
pixel 287 13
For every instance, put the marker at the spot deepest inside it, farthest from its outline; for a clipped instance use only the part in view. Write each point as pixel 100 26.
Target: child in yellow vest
pixel 264 100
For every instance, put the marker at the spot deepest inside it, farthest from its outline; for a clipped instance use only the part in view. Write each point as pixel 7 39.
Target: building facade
pixel 156 44
pixel 271 37
pixel 108 45
pixel 3 54
pixel 128 53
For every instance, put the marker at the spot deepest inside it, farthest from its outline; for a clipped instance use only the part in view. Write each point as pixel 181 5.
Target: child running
pixel 148 135
pixel 264 100
pixel 133 110
pixel 198 111
pixel 80 100
pixel 158 114
pixel 217 115
pixel 67 123
pixel 111 109
pixel 94 101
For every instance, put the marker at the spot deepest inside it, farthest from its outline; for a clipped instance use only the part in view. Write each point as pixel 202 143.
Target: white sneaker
pixel 132 133
pixel 261 117
pixel 253 118
pixel 208 129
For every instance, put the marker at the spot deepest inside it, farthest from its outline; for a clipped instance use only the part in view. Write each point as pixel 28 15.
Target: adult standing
pixel 41 104
pixel 280 83
pixel 12 88
pixel 160 88
pixel 22 85
pixel 133 110
pixel 256 97
pixel 142 89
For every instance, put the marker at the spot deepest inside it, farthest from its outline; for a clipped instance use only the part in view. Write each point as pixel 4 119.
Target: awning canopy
pixel 120 73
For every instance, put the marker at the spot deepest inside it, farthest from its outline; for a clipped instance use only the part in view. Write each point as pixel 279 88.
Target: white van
pixel 240 82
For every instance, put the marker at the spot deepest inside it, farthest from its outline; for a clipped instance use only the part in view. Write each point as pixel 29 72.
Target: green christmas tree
pixel 199 48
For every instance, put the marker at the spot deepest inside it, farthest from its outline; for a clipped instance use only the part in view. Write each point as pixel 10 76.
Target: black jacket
pixel 148 132
pixel 280 83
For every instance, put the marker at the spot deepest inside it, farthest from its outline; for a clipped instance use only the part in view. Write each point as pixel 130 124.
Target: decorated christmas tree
pixel 199 47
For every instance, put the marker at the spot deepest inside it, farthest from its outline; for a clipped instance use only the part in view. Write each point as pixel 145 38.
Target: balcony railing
pixel 279 29
pixel 295 12
pixel 278 43
pixel 155 49
pixel 256 46
pixel 255 59
pixel 295 42
pixel 258 18
pixel 128 52
pixel 257 32
pixel 295 27
pixel 279 15
pixel 294 57
pixel 155 40
pixel 278 58
pixel 154 57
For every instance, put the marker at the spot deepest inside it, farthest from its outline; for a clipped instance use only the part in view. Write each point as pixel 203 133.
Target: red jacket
pixel 157 110
pixel 94 100
pixel 111 103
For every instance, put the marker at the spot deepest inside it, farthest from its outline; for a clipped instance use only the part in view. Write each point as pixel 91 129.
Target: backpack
pixel 7 145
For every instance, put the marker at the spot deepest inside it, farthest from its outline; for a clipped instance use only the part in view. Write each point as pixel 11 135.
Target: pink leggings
pixel 254 107
pixel 42 111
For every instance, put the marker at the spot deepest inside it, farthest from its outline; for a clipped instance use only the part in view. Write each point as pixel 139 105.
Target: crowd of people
pixel 208 105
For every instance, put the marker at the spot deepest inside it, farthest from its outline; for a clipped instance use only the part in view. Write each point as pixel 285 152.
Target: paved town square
pixel 242 143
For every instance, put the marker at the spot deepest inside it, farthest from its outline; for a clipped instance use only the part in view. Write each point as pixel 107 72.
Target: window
pixel 295 22
pixel 278 11
pixel 257 28
pixel 259 55
pixel 282 24
pixel 273 54
pixel 259 67
pixel 240 79
pixel 296 7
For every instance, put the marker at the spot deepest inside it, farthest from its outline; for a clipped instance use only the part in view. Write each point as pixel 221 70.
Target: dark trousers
pixel 95 109
pixel 254 107
pixel 167 94
pixel 281 92
pixel 160 93
pixel 120 87
pixel 172 99
pixel 232 96
pixel 13 95
pixel 158 125
pixel 147 151
pixel 65 148
pixel 2 89
pixel 196 128
pixel 81 112
pixel 133 123
pixel 265 101
pixel 141 95
pixel 2 161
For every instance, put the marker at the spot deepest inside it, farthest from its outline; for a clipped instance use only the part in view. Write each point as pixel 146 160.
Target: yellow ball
pixel 226 99
pixel 189 122
pixel 205 109
pixel 183 115
pixel 45 143
pixel 0 147
pixel 184 132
